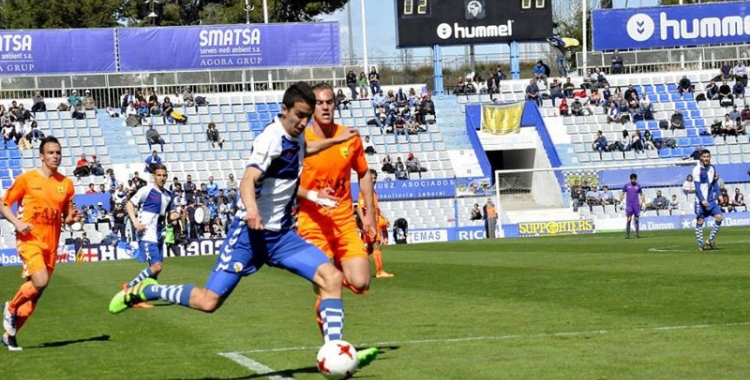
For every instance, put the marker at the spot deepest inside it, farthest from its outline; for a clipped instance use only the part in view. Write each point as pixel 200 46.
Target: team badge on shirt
pixel 60 189
pixel 344 152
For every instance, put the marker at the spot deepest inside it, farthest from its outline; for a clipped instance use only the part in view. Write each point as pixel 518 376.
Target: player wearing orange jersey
pixel 334 230
pixel 373 243
pixel 46 198
pixel 383 225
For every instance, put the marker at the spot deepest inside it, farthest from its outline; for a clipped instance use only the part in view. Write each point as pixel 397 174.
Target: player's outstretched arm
pixel 313 147
pixel 366 186
pixel 322 198
pixel 247 194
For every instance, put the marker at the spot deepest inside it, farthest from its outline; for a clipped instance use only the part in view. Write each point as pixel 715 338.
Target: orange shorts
pixel 338 245
pixel 36 258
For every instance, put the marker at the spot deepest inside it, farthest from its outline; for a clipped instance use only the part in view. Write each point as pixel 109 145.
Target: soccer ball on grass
pixel 337 360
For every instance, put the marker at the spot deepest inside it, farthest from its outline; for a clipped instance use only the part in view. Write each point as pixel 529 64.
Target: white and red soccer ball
pixel 337 360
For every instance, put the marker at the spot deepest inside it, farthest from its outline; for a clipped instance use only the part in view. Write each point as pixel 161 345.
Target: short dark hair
pixel 633 176
pixel 47 140
pixel 156 167
pixel 299 92
pixel 705 151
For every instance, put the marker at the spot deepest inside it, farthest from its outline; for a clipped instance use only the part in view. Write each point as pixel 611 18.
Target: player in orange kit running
pixel 373 244
pixel 334 230
pixel 47 200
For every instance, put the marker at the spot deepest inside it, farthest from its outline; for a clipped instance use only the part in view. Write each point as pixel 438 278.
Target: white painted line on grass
pixel 505 337
pixel 666 249
pixel 258 368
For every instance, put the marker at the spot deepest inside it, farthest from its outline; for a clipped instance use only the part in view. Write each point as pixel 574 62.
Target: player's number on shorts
pixel 526 4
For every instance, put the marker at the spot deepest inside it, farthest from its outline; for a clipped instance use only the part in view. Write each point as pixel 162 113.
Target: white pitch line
pixel 506 337
pixel 258 368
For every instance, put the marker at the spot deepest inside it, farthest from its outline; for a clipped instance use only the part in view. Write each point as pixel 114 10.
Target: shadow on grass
pixel 62 343
pixel 289 373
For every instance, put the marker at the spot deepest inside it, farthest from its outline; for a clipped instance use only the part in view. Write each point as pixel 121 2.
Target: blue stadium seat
pixel 683 141
pixel 699 123
pixel 15 163
pixel 261 107
pixel 4 165
pixel 656 134
pixel 695 141
pixel 692 132
pixel 7 183
pixel 707 140
pixel 665 153
pixel 252 117
pixel 671 88
pixel 660 88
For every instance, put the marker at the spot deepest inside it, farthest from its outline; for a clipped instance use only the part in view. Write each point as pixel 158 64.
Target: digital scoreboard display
pixel 424 23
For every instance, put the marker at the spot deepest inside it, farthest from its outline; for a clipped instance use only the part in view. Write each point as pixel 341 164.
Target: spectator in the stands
pixel 212 188
pixel 555 91
pixel 685 86
pixel 660 202
pixel 413 99
pixel 728 127
pixel 374 78
pixel 351 82
pixel 674 204
pixel 379 100
pixel 153 103
pixel 725 94
pixel 614 115
pixel 135 183
pixel 617 63
pixel 153 137
pixel 648 141
pixel 22 131
pixel 112 182
pixel 152 161
pixel 426 110
pixel 600 143
pixel 696 155
pixel 102 189
pixel 341 101
pixel 125 100
pixel 540 73
pixel 646 108
pixel 401 98
pixel 724 201
pixel 576 109
pixel 369 146
pixel 89 104
pixel 177 100
pixel 636 141
pixel 677 121
pixel 738 200
pixel 629 93
pixel 598 80
pixel 399 127
pixel 712 91
pixel 91 189
pixel 102 217
pixel 607 196
pixel 77 111
pixel 96 166
pixel 401 172
pixel 82 167
pixel 214 137
pixel 532 93
pixel 34 133
pixel 745 116
pixel 413 165
pixel 734 114
pixel 166 107
pixel 621 103
pixel 362 83
pixel 387 165
pixel 380 119
pixel 188 99
pixel 563 107
pixel 738 90
pixel 73 98
pixel 593 197
pixel 740 73
pixel 625 141
pixel 38 103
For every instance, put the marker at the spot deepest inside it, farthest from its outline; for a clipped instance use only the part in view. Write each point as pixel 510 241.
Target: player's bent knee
pixel 156 268
pixel 205 300
pixel 719 218
pixel 330 278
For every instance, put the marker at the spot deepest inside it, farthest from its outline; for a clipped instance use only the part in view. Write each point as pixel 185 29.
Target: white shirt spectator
pixel 131 110
pixel 368 144
pixel 688 186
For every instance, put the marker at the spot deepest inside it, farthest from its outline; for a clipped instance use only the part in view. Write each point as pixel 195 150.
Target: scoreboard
pixel 424 23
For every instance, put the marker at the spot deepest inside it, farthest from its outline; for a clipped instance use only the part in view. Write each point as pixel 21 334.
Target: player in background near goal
pixel 706 199
pixel 632 192
pixel 373 244
pixel 46 197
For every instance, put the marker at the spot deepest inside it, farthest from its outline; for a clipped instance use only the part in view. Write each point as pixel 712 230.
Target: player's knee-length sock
pixel 23 313
pixel 177 294
pixel 699 233
pixel 331 310
pixel 146 273
pixel 627 228
pixel 714 230
pixel 26 293
pixel 377 256
pixel 637 227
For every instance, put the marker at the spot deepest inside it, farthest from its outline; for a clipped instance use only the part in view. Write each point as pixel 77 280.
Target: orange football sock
pixel 27 292
pixel 377 256
pixel 23 313
pixel 353 288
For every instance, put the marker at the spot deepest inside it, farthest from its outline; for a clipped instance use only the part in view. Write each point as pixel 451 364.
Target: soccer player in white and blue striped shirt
pixel 706 199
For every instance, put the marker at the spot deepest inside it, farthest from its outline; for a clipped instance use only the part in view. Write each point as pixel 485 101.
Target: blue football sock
pixel 146 273
pixel 699 233
pixel 627 229
pixel 177 294
pixel 714 230
pixel 331 311
pixel 637 227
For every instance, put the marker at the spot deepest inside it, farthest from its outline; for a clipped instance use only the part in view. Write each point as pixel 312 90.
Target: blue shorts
pixel 154 251
pixel 701 212
pixel 244 251
pixel 631 210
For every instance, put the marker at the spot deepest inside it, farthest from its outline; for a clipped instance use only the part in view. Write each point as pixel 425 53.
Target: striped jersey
pixel 154 206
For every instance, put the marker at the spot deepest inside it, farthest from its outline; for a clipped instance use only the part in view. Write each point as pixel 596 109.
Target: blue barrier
pixel 57 51
pixel 671 176
pixel 230 46
pixel 684 25
pixel 473 124
pixel 432 188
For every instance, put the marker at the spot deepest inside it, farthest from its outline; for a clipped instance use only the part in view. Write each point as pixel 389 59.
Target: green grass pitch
pixel 574 307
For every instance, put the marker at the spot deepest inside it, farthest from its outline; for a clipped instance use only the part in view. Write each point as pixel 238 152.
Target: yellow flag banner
pixel 502 119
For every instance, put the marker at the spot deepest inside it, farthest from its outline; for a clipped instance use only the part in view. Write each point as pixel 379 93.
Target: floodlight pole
pixel 584 20
pixel 265 11
pixel 364 37
pixel 351 35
